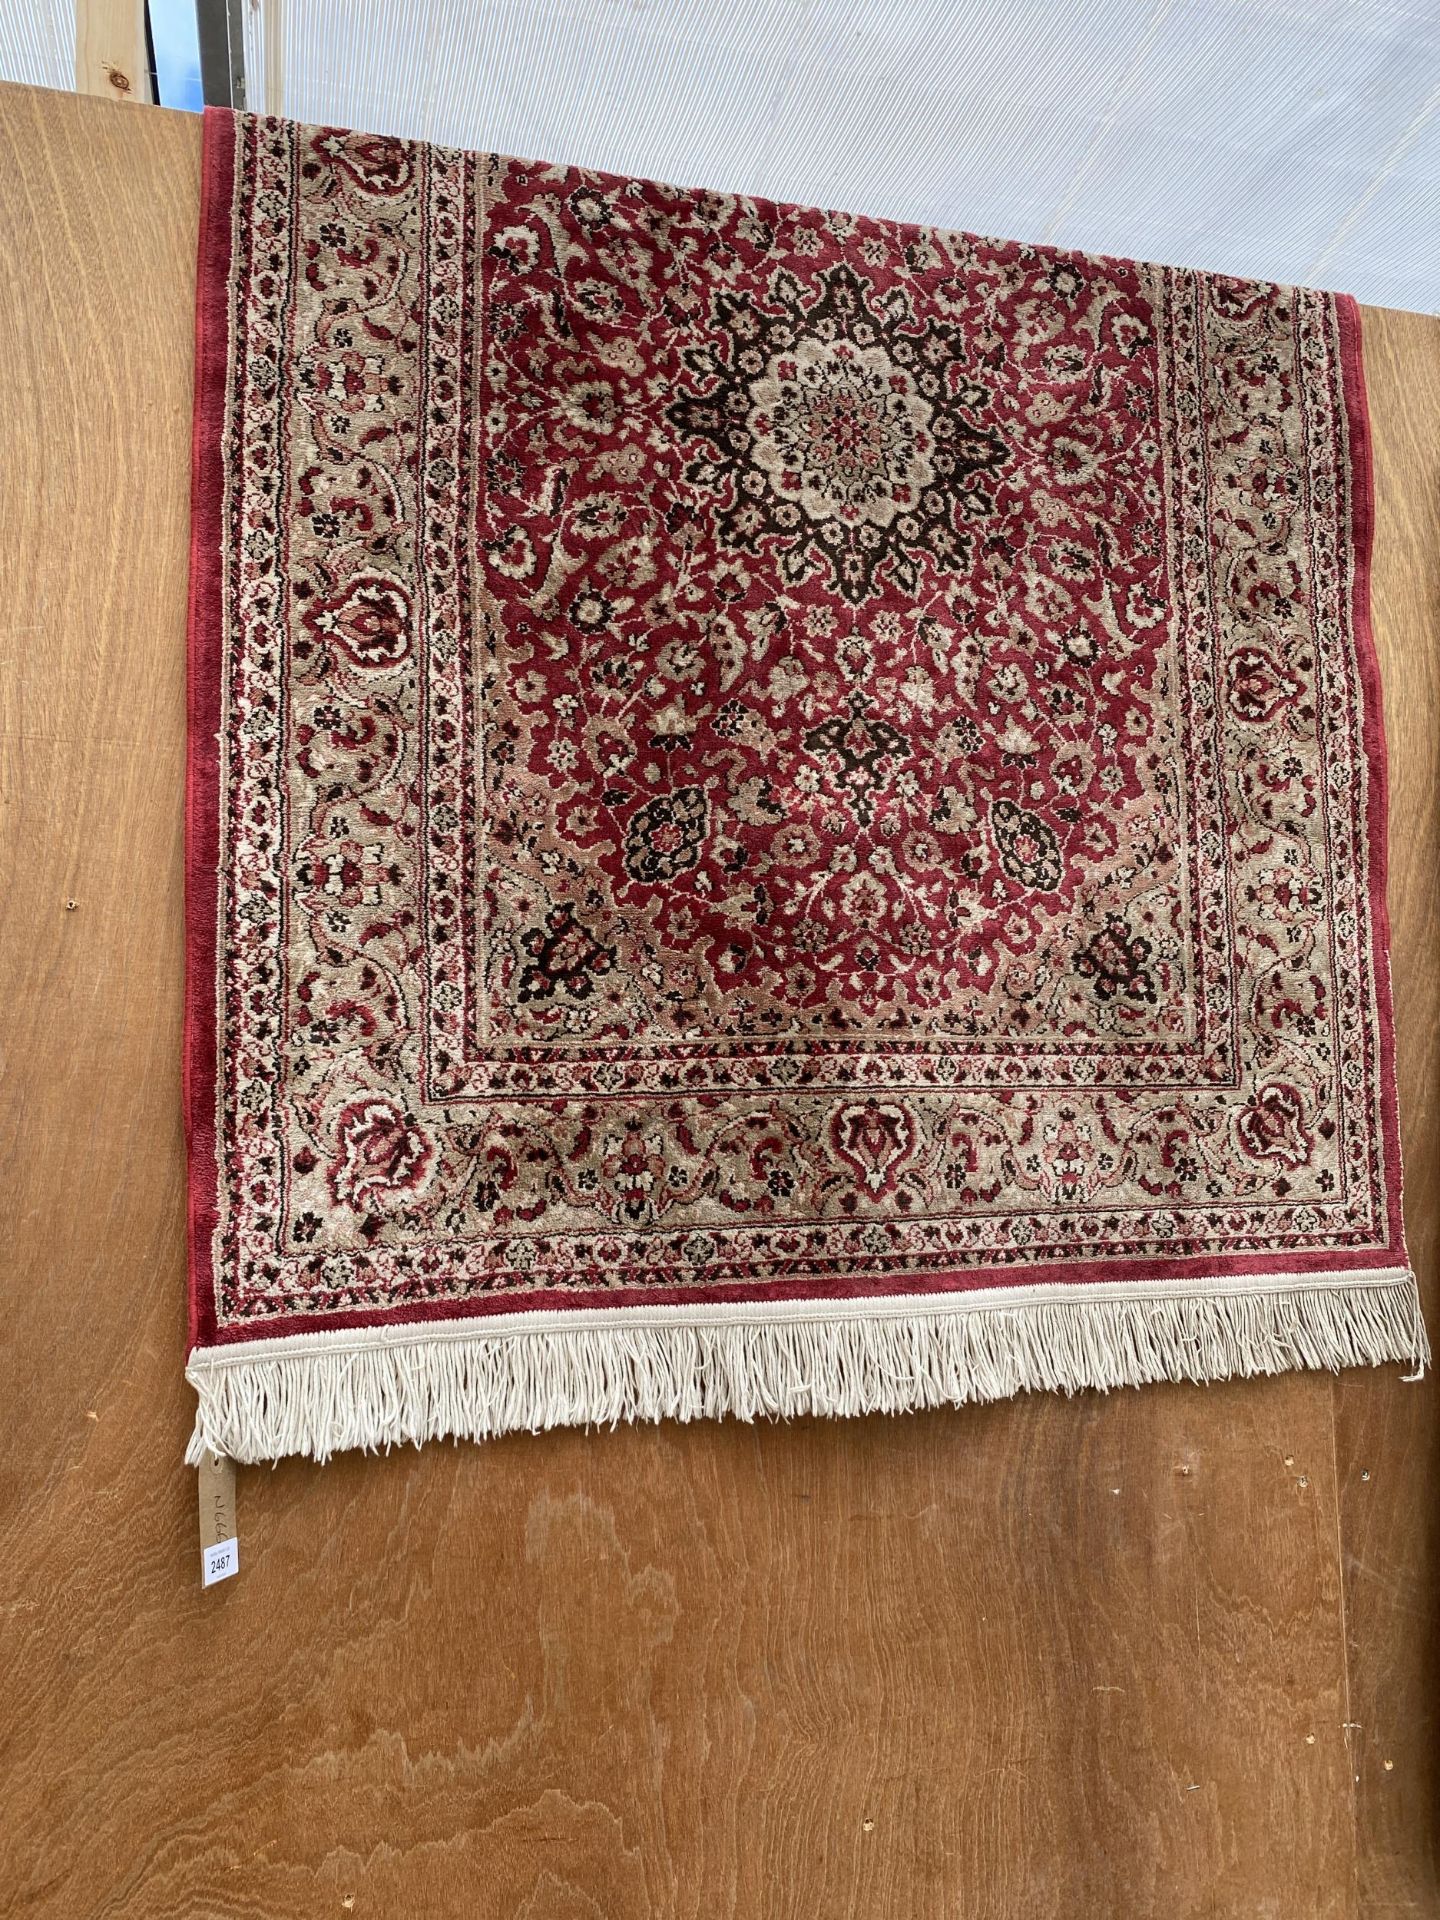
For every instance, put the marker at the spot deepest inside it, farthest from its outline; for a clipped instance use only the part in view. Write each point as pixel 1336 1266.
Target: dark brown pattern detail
pixel 841 429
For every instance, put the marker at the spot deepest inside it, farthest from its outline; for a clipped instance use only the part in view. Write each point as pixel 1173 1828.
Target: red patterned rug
pixel 786 812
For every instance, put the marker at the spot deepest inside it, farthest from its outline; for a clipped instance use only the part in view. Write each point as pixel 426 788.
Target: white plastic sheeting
pixel 1285 139
pixel 37 42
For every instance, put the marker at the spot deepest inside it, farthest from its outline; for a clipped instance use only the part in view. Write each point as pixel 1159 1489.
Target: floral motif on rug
pixel 786 810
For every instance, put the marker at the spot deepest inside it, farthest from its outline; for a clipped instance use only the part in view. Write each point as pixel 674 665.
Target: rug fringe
pixel 320 1393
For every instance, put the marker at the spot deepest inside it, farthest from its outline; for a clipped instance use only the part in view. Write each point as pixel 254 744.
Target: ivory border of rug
pixel 372 1387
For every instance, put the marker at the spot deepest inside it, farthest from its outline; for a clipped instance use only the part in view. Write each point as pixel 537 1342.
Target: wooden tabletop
pixel 1170 1653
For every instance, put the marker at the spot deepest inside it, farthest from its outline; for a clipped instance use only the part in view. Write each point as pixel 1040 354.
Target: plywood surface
pixel 1139 1656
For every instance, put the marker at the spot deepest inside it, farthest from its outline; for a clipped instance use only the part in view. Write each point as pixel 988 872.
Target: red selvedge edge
pixel 1362 535
pixel 201 888
pixel 202 759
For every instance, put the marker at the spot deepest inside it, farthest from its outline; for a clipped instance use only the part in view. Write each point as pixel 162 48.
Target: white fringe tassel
pixel 321 1393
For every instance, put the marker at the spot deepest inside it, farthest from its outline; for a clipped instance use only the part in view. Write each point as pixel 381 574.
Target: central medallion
pixel 842 431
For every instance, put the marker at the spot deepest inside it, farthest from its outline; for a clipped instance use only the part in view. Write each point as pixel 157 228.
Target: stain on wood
pixel 1090 1657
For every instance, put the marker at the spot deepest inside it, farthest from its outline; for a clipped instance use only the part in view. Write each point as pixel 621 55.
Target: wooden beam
pixel 273 21
pixel 110 55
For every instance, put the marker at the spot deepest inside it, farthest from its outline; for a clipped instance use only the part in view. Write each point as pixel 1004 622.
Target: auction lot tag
pixel 219 1544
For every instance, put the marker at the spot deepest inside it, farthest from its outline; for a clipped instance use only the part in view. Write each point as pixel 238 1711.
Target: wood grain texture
pixel 1388 1441
pixel 1089 1657
pixel 110 54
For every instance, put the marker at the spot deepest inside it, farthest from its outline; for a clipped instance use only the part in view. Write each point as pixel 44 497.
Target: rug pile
pixel 786 812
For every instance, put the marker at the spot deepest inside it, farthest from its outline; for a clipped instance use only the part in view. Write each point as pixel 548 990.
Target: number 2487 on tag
pixel 219 1562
